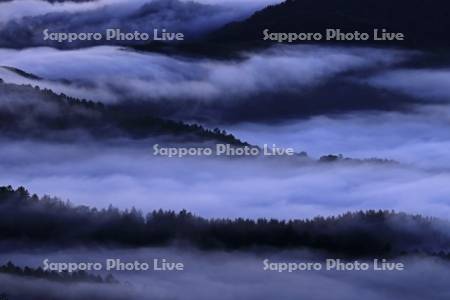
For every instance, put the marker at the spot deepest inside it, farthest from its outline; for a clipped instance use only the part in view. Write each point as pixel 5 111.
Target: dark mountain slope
pixel 27 111
pixel 425 23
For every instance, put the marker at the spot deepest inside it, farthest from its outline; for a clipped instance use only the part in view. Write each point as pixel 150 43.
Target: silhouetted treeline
pixel 41 113
pixel 26 218
pixel 39 273
pixel 30 111
pixel 340 158
pixel 22 73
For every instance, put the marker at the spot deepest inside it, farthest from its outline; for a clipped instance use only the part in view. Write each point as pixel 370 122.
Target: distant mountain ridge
pixel 425 23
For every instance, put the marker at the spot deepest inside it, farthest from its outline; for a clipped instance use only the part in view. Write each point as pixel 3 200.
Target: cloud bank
pixel 419 138
pixel 275 83
pixel 424 84
pixel 127 174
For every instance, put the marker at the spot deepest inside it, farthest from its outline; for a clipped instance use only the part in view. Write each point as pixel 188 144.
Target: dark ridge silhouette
pixel 340 158
pixel 30 220
pixel 65 277
pixel 425 23
pixel 41 113
pixel 22 73
pixel 31 112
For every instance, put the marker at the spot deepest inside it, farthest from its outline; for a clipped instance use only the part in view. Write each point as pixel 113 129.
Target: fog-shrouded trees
pixel 30 219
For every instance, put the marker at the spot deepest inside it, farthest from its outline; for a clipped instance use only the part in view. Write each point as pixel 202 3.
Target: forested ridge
pixel 28 111
pixel 30 219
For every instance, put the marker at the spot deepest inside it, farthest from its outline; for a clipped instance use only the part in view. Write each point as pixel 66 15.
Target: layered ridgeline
pixel 425 24
pixel 50 222
pixel 27 111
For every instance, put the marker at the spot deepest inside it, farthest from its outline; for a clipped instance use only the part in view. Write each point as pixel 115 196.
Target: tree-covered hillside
pixel 28 219
pixel 27 111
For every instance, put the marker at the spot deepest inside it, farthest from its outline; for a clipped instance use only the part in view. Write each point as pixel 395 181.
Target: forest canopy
pixel 50 221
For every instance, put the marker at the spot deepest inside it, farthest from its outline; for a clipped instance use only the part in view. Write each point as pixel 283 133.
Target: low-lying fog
pixel 232 275
pixel 125 173
pixel 420 138
pixel 112 74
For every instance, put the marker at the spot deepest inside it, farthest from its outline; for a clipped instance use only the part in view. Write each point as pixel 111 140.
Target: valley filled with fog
pixel 125 172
